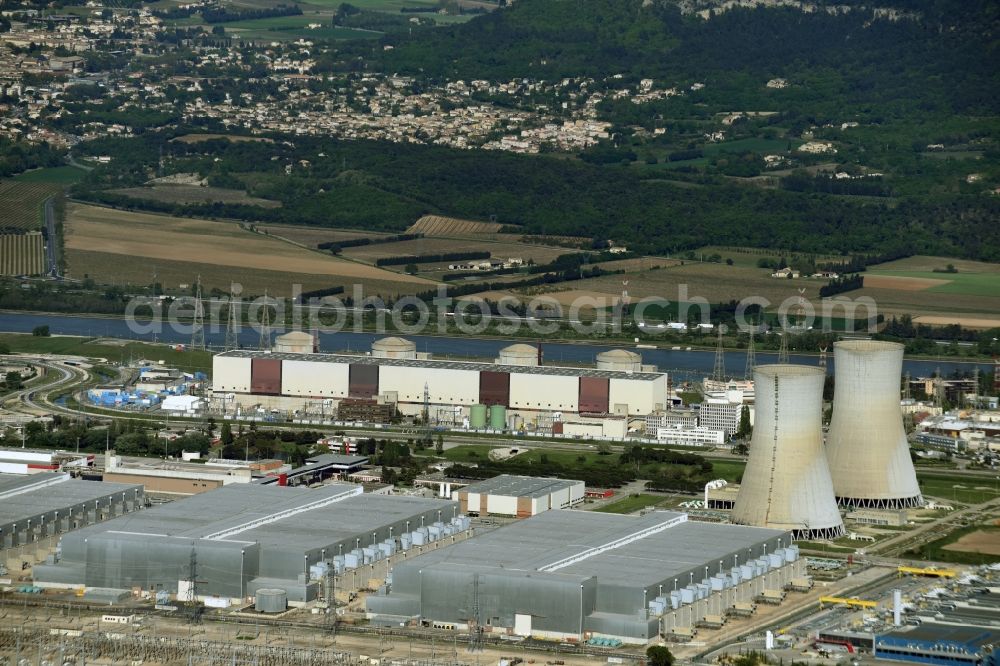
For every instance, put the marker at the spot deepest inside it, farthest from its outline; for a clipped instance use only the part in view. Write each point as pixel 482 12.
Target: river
pixel 684 365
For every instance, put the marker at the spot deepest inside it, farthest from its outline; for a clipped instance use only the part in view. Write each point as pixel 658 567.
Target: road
pixel 34 399
pixel 51 247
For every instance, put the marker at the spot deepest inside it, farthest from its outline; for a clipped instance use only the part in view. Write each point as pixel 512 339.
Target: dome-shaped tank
pixel 294 342
pixel 619 360
pixel 519 354
pixel 393 347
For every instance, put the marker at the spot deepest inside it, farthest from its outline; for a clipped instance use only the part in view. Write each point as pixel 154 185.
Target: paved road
pixel 51 247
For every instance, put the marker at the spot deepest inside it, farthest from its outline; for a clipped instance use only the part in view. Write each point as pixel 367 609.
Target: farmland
pixel 437 225
pixel 540 254
pixel 194 194
pixel 312 236
pixel 114 245
pixel 22 204
pixel 22 254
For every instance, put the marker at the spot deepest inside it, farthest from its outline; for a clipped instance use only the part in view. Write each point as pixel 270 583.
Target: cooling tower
pixel 786 484
pixel 866 446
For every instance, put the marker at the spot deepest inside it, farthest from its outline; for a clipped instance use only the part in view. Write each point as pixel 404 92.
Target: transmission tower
pixel 822 357
pixel 233 326
pixel 751 358
pixel 476 633
pixel 783 350
pixel 265 327
pixel 906 386
pixel 198 327
pixel 975 387
pixel 427 405
pixel 719 372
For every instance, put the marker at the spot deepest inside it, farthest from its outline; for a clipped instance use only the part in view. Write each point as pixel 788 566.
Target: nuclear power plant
pixel 866 447
pixel 787 482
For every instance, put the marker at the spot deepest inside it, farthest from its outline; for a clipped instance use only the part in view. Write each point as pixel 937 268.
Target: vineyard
pixel 22 254
pixel 436 225
pixel 22 205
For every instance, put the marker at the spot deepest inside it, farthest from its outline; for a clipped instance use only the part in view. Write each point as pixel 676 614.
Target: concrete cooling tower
pixel 786 484
pixel 866 446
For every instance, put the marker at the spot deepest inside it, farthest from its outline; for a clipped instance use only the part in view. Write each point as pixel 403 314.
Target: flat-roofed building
pixel 519 496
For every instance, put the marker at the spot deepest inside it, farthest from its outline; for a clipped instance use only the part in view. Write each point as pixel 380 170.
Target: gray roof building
pixel 563 574
pixel 237 539
pixel 40 505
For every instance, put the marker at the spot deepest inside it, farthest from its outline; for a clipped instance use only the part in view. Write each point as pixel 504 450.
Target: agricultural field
pixel 22 254
pixel 437 225
pixel 194 194
pixel 113 245
pixel 21 208
pixel 974 545
pixel 540 254
pixel 312 236
pixel 63 175
pixel 749 256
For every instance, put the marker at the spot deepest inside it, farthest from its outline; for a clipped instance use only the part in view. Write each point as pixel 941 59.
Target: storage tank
pixel 619 360
pixel 869 457
pixel 498 417
pixel 271 601
pixel 393 347
pixel 295 342
pixel 786 484
pixel 477 416
pixel 519 354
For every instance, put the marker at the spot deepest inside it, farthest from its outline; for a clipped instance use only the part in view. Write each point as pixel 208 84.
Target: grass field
pixel 963 284
pixel 632 503
pixel 279 28
pixel 965 489
pixel 749 256
pixel 64 175
pixel 114 245
pixel 973 545
pixel 198 138
pixel 189 360
pixel 184 194
pixel 21 203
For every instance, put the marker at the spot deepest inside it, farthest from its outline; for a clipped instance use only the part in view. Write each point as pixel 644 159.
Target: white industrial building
pixel 519 496
pixel 395 374
pixel 786 484
pixel 690 436
pixel 866 446
pixel 722 413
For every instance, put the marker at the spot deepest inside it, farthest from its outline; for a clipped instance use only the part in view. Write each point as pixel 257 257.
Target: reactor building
pixel 228 544
pixel 515 386
pixel 580 575
pixel 786 484
pixel 866 446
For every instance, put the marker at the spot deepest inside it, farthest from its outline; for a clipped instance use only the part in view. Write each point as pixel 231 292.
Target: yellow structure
pixel 928 571
pixel 851 602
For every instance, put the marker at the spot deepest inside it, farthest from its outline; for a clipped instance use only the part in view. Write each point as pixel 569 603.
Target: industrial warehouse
pixel 573 575
pixel 224 546
pixel 519 496
pixel 48 504
pixel 515 388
